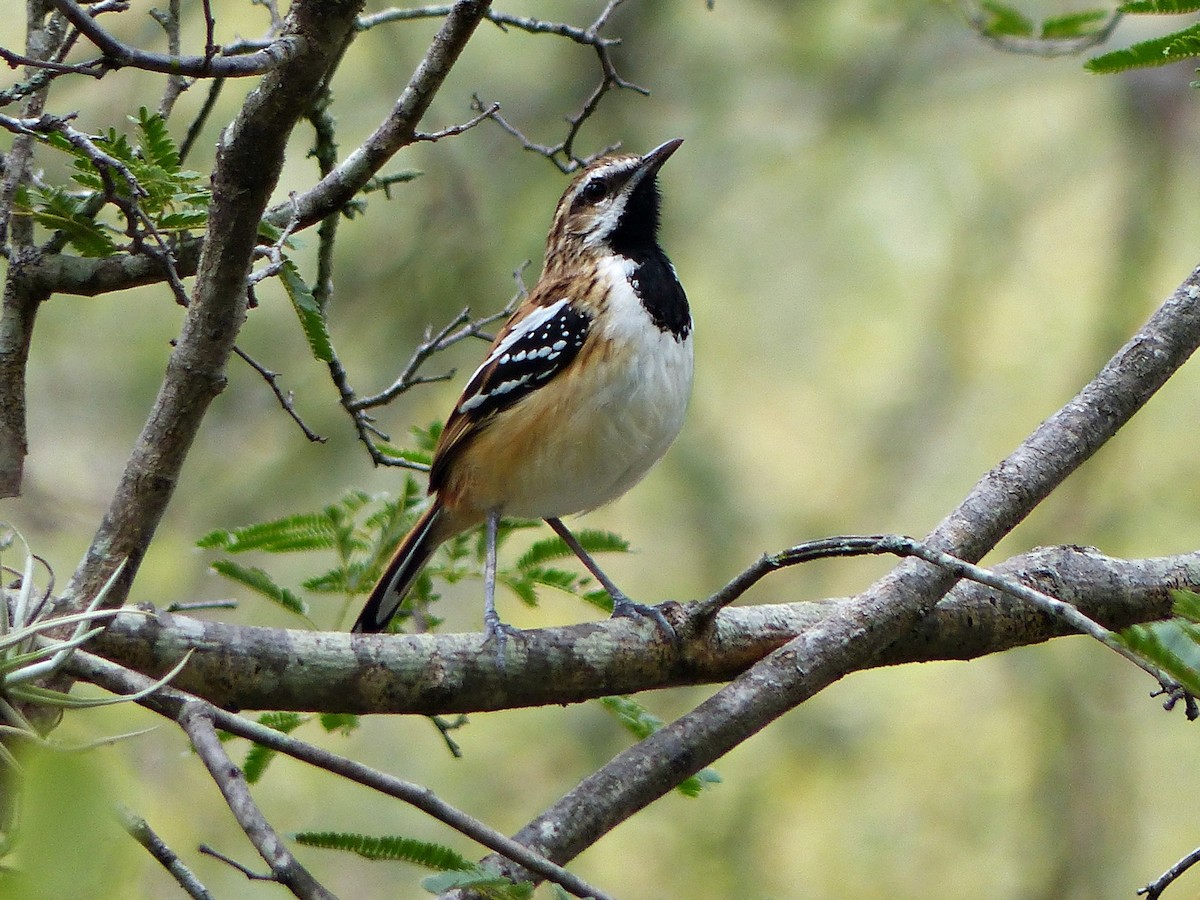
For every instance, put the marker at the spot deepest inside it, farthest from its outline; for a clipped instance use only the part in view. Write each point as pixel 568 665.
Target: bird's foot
pixel 499 632
pixel 623 606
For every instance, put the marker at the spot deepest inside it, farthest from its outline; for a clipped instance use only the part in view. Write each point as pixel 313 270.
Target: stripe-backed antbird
pixel 581 393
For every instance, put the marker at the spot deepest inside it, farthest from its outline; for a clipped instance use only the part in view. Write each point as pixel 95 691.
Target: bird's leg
pixel 622 605
pixel 493 627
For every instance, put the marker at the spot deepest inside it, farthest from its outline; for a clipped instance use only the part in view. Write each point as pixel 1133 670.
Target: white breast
pixel 622 420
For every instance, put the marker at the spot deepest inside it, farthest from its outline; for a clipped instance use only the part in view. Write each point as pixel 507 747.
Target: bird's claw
pixel 626 608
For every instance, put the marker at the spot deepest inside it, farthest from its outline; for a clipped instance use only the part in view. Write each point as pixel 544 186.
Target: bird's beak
pixel 653 160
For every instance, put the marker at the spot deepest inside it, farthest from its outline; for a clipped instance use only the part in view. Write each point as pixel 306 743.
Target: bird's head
pixel 610 206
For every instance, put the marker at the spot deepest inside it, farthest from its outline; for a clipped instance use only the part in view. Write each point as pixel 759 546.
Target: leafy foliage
pixel 1169 48
pixel 174 200
pixel 1174 645
pixel 641 723
pixel 362 530
pixel 458 871
pixel 308 311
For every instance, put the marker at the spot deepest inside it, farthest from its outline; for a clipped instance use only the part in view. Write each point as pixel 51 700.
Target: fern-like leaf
pixel 1155 52
pixel 422 853
pixel 259 757
pixel 1160 7
pixel 342 723
pixel 592 540
pixel 308 311
pixel 157 147
pixel 60 211
pixel 258 580
pixel 305 531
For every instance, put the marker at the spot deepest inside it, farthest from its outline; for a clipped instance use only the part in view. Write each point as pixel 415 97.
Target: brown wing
pixel 535 345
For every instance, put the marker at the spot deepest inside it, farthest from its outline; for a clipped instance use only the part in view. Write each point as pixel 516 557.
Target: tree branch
pixel 177 705
pixel 859 633
pixel 245 667
pixel 285 868
pixel 288 48
pixel 249 160
pixel 398 130
pixel 140 831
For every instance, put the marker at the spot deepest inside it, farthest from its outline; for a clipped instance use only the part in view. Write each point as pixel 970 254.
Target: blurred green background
pixel 903 250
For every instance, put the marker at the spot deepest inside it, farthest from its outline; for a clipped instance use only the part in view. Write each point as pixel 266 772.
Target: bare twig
pixel 118 55
pixel 287 400
pixel 1155 888
pixel 285 868
pixel 453 130
pixel 250 874
pixel 141 832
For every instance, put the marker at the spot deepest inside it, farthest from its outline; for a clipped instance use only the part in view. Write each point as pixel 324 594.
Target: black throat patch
pixel 653 280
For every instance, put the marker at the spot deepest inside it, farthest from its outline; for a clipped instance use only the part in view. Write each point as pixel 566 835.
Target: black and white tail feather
pixel 402 570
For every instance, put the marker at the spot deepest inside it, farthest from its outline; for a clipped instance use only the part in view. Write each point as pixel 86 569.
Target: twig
pixel 250 874
pixel 1155 888
pixel 453 130
pixel 610 79
pixel 902 546
pixel 140 831
pixel 285 868
pixel 118 55
pixel 340 186
pixel 202 716
pixel 198 605
pixel 286 400
pixel 456 330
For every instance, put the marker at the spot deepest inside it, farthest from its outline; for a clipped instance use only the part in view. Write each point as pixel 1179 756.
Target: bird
pixel 579 395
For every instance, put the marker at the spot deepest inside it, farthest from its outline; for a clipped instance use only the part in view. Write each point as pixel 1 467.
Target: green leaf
pixel 1006 21
pixel 421 853
pixel 312 317
pixel 343 723
pixel 1172 646
pixel 259 757
pixel 1164 7
pixel 156 145
pixel 592 540
pixel 258 580
pixel 58 210
pixel 306 531
pixel 480 881
pixel 1186 605
pixel 1073 25
pixel 1155 52
pixel 641 723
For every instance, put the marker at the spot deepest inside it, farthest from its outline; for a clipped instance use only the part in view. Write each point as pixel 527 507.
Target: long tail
pixel 405 565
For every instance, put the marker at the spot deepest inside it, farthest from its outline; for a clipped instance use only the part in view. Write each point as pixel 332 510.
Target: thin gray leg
pixel 622 605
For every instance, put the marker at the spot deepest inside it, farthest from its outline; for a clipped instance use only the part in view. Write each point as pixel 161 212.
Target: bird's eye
pixel 594 191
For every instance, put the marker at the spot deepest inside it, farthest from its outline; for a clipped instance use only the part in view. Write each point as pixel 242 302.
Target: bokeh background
pixel 903 247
